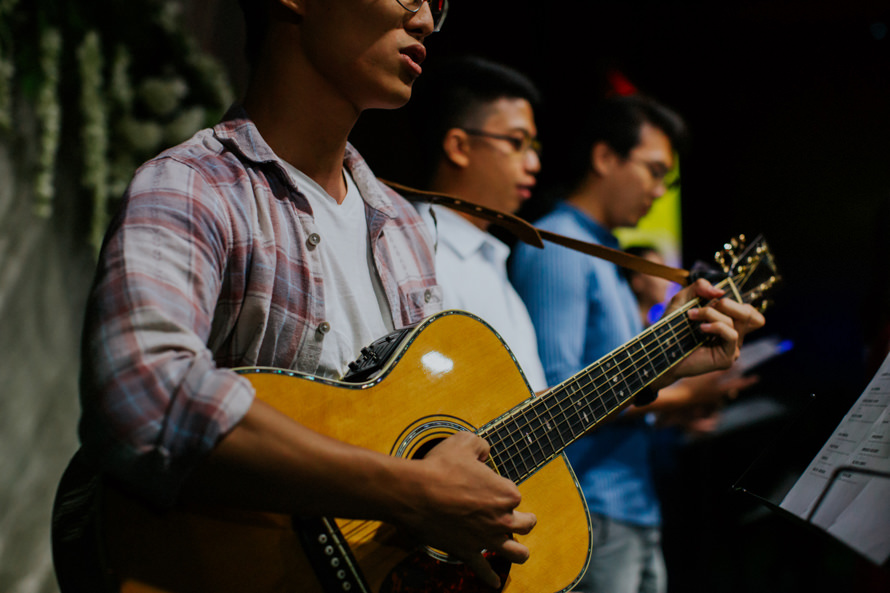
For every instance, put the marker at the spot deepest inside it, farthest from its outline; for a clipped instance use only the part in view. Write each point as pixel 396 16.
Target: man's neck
pixel 300 121
pixel 588 198
pixel 442 184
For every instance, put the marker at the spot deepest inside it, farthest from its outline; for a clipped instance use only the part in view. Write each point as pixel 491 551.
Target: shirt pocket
pixel 423 302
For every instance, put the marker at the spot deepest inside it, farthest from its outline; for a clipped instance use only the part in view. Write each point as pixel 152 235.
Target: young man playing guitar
pixel 266 241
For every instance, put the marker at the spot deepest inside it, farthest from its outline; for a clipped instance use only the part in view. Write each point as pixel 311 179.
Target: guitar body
pixel 451 373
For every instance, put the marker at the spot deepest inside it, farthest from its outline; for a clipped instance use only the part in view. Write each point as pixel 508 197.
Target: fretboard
pixel 533 433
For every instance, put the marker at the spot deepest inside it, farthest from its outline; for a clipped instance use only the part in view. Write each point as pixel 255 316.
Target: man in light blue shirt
pixel 583 308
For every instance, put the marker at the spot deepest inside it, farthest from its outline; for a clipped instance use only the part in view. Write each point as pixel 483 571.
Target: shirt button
pixel 324 327
pixel 427 295
pixel 313 240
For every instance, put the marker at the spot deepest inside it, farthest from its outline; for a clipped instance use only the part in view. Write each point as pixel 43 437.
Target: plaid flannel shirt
pixel 211 264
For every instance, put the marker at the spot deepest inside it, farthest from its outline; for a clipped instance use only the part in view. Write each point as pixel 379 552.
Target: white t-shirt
pixel 356 308
pixel 471 269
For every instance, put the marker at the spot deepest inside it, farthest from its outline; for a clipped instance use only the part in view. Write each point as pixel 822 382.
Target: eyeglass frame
pixel 520 145
pixel 437 24
pixel 658 176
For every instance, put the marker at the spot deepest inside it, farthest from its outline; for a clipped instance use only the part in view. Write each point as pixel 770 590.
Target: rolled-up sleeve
pixel 154 401
pixel 207 268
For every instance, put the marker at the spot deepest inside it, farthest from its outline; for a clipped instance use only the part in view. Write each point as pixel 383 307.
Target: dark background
pixel 787 106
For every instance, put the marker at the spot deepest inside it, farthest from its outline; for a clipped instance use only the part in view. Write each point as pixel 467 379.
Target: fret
pixel 533 433
pixel 692 336
pixel 595 379
pixel 559 401
pixel 502 436
pixel 662 361
pixel 667 334
pixel 642 372
pixel 610 374
pixel 503 446
pixel 530 436
pixel 549 426
pixel 650 364
pixel 622 377
pixel 532 442
pixel 574 397
pixel 520 465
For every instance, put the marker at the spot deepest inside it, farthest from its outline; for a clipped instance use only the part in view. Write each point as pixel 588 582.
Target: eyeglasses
pixel 659 172
pixel 439 8
pixel 521 144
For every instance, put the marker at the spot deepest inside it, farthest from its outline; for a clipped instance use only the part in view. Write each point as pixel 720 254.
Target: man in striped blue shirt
pixel 583 308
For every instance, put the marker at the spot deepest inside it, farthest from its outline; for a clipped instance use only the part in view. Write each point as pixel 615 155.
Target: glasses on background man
pixel 520 143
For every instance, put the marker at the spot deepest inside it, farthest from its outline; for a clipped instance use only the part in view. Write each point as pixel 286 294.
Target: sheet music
pixel 856 508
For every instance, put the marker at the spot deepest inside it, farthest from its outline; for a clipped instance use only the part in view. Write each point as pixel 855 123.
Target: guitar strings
pixel 571 388
pixel 362 530
pixel 662 335
pixel 573 421
pixel 600 375
pixel 592 377
pixel 653 343
pixel 608 383
pixel 653 335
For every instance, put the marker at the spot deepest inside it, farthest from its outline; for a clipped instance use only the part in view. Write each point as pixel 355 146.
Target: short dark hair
pixel 455 91
pixel 616 121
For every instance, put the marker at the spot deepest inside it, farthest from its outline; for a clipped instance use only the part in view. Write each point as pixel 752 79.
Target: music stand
pixel 845 489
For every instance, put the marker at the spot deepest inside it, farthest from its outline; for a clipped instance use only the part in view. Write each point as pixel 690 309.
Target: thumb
pixel 480 566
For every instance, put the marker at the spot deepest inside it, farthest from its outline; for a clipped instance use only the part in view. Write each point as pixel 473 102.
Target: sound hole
pixel 425 448
pixel 423 572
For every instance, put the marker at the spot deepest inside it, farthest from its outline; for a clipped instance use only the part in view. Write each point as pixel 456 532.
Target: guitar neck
pixel 532 434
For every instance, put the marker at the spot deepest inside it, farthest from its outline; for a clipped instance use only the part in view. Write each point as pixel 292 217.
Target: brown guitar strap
pixel 527 233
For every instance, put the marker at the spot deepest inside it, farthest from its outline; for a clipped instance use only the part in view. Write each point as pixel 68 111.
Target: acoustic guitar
pixel 408 392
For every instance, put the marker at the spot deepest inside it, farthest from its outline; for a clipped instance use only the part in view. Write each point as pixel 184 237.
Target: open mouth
pixel 414 57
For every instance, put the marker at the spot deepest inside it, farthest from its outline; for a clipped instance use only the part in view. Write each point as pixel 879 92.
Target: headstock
pixel 750 270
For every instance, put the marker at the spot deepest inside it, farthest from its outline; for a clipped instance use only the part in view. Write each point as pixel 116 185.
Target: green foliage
pixel 125 74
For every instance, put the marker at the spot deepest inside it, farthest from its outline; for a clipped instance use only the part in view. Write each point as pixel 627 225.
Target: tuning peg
pixel 764 305
pixel 720 258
